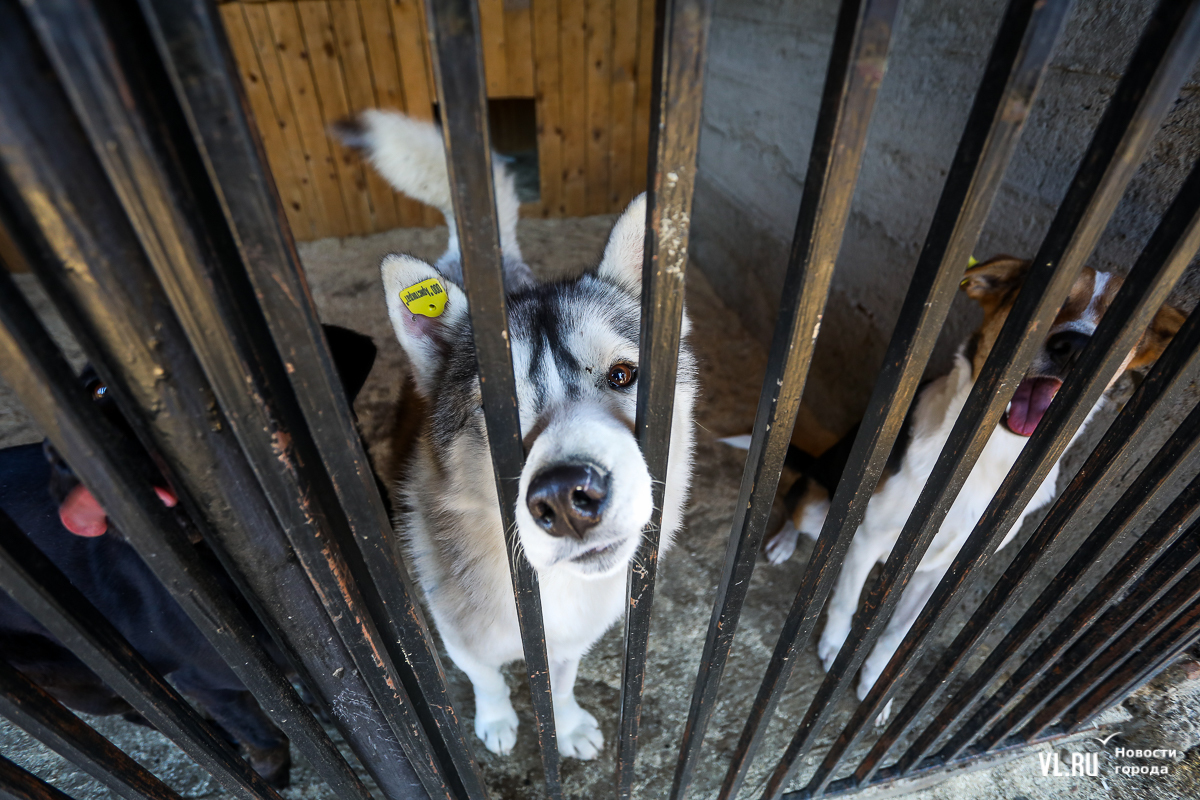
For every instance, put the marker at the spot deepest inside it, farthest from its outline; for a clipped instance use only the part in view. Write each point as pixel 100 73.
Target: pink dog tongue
pixel 1029 403
pixel 81 514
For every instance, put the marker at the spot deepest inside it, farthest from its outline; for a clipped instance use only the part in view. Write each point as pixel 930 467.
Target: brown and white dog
pixel 994 285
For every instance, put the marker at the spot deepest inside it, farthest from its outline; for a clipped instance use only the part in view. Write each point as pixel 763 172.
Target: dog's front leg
pixel 495 720
pixel 578 732
pixel 860 558
pixel 916 595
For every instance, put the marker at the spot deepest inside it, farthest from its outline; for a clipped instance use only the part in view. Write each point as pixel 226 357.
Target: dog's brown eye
pixel 621 375
pixel 98 390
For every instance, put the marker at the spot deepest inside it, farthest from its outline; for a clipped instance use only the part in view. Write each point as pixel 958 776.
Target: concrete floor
pixel 345 284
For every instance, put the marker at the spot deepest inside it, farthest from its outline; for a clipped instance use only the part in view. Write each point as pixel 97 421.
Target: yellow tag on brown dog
pixel 427 298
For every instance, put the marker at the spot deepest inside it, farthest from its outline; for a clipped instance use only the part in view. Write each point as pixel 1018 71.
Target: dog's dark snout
pixel 1065 347
pixel 568 499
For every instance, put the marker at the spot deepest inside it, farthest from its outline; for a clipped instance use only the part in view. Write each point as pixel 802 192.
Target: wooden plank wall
pixel 307 63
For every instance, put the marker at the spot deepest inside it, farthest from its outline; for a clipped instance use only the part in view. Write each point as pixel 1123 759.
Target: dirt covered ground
pixel 344 279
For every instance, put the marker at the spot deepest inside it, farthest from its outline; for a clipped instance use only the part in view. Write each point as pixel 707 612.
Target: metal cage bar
pixel 1145 94
pixel 1181 636
pixel 46 594
pixel 1024 42
pixel 47 720
pixel 458 71
pixel 857 64
pixel 1149 586
pixel 1093 478
pixel 181 232
pixel 681 28
pixel 1144 585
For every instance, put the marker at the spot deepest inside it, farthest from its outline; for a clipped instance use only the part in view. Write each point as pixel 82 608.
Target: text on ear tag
pixel 427 298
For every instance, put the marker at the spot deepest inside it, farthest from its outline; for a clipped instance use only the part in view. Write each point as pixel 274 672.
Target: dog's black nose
pixel 568 499
pixel 1065 347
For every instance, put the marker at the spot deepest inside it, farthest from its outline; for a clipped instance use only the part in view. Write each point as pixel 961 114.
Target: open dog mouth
pixel 1029 404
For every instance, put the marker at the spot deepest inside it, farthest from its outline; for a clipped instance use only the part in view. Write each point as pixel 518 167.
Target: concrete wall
pixel 766 68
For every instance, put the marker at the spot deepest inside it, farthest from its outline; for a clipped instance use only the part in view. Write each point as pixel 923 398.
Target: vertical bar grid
pixel 1143 97
pixel 1163 261
pixel 77 42
pixel 1093 664
pixel 857 64
pixel 191 46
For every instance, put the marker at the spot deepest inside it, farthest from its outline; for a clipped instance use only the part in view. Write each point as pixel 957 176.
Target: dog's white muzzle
pixel 585 494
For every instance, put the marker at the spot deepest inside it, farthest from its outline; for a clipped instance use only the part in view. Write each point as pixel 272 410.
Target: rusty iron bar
pixel 113 304
pixel 681 34
pixel 453 27
pixel 1021 53
pixel 1179 366
pixel 1164 629
pixel 1170 645
pixel 1097 622
pixel 39 587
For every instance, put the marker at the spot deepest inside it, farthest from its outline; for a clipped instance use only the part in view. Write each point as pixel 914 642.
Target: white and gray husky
pixel 584 491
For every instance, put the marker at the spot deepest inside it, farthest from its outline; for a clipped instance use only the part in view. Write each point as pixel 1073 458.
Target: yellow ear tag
pixel 427 298
pixel 972 261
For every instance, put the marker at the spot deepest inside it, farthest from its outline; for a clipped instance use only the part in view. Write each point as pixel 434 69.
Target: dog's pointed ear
pixel 622 262
pixel 1158 335
pixel 426 310
pixel 989 281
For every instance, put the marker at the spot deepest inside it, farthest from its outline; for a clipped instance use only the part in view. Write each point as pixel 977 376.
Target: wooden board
pixel 548 106
pixel 389 86
pixel 308 63
pixel 642 115
pixel 412 53
pixel 624 97
pixel 360 95
pixel 294 62
pixel 287 139
pixel 599 95
pixel 320 42
pixel 495 55
pixel 573 71
pixel 518 47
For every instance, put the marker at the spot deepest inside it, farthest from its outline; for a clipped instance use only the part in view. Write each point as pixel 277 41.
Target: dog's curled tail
pixel 410 155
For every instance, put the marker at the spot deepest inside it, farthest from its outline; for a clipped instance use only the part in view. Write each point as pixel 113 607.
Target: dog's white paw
pixel 498 734
pixel 831 642
pixel 781 546
pixel 578 734
pixel 885 715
